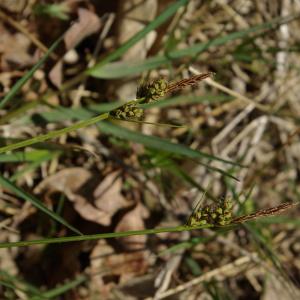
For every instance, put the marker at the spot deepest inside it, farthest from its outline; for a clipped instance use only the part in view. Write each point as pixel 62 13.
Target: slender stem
pixel 79 238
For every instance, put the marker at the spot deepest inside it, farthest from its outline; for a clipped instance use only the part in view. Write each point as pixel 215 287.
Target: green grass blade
pixel 63 288
pixel 125 68
pixel 35 202
pixel 53 134
pixel 187 100
pixel 264 243
pixel 17 284
pixel 156 142
pixel 9 96
pixel 13 287
pixel 92 237
pixel 167 13
pixel 121 69
pixel 279 220
pixel 30 156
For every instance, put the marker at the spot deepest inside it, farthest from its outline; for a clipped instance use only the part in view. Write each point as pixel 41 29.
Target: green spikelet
pixel 217 215
pixel 128 111
pixel 153 90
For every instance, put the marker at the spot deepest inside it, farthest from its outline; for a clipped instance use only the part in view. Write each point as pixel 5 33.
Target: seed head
pixel 128 111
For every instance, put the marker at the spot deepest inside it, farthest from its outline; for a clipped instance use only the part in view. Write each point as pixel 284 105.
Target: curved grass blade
pixel 121 69
pixel 148 123
pixel 62 288
pixel 35 202
pixel 157 143
pixel 30 156
pixel 32 166
pixel 54 133
pixel 17 284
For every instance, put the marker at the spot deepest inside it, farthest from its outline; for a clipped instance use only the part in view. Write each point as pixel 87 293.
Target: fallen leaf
pixel 68 180
pixel 98 206
pixel 105 263
pixel 108 194
pixel 87 24
pixel 98 269
pixel 133 220
pixel 20 45
pixel 15 6
pixel 56 75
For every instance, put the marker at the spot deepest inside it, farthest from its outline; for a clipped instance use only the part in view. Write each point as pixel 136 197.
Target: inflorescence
pixel 217 214
pixel 148 92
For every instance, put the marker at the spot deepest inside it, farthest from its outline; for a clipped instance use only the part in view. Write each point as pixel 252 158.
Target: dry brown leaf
pixel 105 262
pixel 133 220
pixel 98 269
pixel 87 24
pixel 69 181
pixel 15 6
pixel 108 198
pixel 90 212
pixel 108 194
pixel 20 45
pixel 56 75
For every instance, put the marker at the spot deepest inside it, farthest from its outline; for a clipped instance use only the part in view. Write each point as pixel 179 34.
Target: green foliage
pixel 59 11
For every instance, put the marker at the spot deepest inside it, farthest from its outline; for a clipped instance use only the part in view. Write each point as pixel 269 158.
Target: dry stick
pixel 223 272
pixel 31 37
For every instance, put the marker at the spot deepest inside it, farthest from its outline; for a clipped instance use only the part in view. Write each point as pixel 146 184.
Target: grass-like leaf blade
pixel 156 142
pixel 167 13
pixel 121 69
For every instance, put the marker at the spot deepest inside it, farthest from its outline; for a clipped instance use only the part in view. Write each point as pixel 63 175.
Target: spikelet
pixel 148 92
pixel 217 215
pixel 128 111
pixel 152 91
